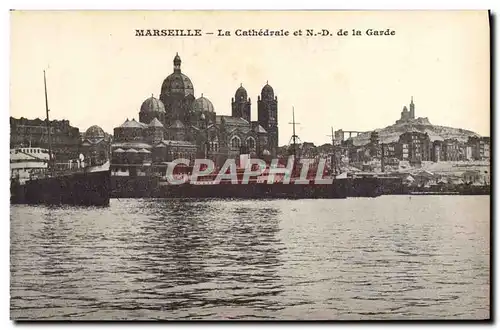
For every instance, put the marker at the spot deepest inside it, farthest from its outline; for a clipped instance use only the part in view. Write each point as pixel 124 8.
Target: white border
pixel 184 4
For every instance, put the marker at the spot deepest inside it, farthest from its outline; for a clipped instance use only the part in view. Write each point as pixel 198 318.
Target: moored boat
pixel 34 180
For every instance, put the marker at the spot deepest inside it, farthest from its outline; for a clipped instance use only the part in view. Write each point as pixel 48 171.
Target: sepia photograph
pixel 250 165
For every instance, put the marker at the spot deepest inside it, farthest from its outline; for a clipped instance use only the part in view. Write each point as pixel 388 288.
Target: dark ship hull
pixel 149 187
pixel 338 189
pixel 450 190
pixel 83 189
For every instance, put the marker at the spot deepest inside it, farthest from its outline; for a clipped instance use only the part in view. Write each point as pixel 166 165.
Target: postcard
pixel 250 165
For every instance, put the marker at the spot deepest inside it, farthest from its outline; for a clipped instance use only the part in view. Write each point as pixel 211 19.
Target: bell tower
pixel 267 106
pixel 241 105
pixel 412 109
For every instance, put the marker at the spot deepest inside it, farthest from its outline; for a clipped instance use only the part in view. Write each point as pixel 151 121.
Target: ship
pixel 332 184
pixel 35 180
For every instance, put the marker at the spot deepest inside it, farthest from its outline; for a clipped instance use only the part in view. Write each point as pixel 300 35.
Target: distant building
pixel 308 150
pixel 95 146
pixel 471 176
pixel 407 115
pixel 452 150
pixel 480 147
pixel 391 153
pixel 437 151
pixel 468 152
pixel 415 146
pixel 374 146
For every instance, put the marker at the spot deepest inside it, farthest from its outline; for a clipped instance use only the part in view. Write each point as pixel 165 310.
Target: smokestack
pixel 382 162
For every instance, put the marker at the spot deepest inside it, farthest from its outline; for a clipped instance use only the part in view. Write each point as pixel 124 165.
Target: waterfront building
pixel 373 146
pixel 480 147
pixel 437 154
pixel 179 125
pixel 452 150
pixel 390 153
pixel 415 146
pixel 95 146
pixel 65 139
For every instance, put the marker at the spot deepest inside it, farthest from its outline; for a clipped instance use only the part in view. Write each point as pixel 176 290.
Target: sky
pixel 99 72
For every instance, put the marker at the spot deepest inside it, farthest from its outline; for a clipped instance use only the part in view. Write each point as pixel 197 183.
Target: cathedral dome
pixel 241 94
pixel 94 132
pixel 203 104
pixel 152 104
pixel 177 82
pixel 267 92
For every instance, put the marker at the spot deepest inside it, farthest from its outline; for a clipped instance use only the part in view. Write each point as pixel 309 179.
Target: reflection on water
pixel 391 257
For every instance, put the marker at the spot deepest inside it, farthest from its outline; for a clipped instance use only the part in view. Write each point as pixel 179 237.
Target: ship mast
pixel 334 155
pixel 48 121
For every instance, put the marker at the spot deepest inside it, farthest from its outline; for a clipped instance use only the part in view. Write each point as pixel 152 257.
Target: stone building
pixel 480 147
pixel 374 146
pixel 415 146
pixel 453 150
pixel 391 152
pixel 179 124
pixel 95 146
pixel 437 154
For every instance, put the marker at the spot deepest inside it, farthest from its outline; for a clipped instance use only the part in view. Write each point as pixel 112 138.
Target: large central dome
pixel 177 82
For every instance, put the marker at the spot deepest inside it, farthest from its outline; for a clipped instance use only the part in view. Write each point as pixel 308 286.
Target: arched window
pixel 214 146
pixel 251 142
pixel 235 142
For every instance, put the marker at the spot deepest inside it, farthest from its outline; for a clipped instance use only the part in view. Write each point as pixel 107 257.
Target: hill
pixel 391 133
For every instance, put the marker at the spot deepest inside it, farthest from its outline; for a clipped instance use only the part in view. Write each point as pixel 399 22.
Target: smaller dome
pixel 267 92
pixel 203 104
pixel 405 109
pixel 152 104
pixel 94 132
pixel 241 94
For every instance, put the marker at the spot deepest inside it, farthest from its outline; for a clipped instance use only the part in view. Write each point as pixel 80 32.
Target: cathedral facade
pixel 179 125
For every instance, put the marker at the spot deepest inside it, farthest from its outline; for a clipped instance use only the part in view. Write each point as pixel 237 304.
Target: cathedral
pixel 179 125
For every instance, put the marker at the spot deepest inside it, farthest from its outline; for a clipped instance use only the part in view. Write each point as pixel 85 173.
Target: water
pixel 392 257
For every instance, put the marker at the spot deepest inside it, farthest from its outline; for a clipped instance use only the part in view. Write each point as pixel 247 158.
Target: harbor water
pixel 391 257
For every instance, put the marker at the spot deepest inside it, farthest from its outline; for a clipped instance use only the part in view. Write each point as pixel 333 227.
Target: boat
pixel 35 180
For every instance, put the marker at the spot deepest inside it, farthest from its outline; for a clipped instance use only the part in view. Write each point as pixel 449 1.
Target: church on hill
pixel 406 115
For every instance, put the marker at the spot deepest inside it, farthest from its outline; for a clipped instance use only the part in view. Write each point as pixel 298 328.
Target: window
pixel 214 146
pixel 235 142
pixel 251 143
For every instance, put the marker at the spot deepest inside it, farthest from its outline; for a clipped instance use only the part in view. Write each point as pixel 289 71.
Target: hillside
pixel 392 133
